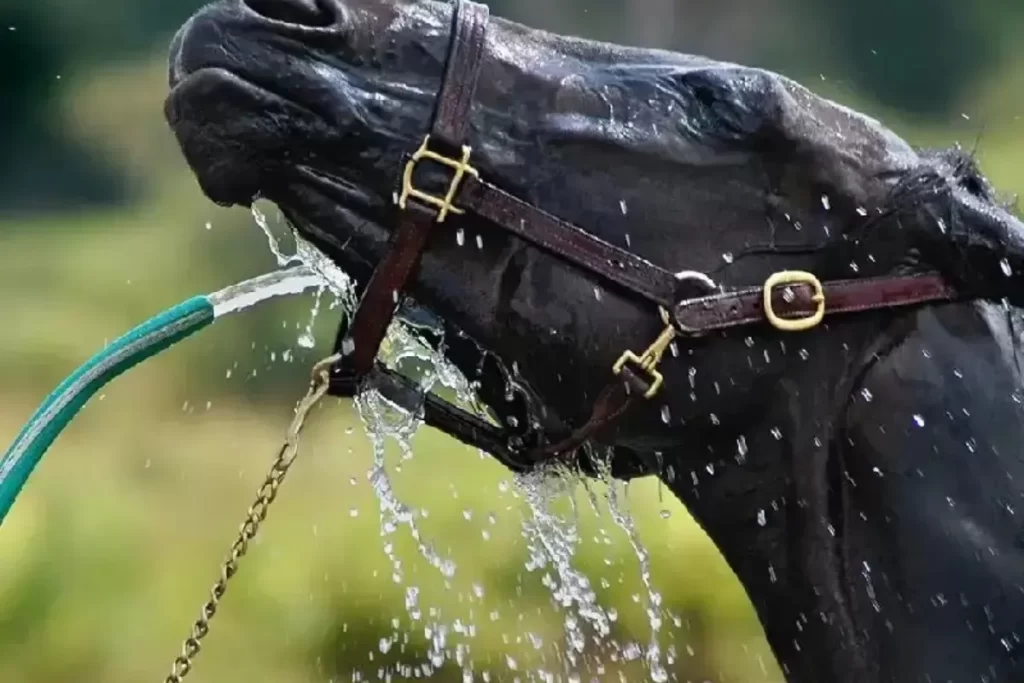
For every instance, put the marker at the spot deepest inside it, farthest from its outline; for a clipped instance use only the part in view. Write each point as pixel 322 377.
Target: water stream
pixel 552 539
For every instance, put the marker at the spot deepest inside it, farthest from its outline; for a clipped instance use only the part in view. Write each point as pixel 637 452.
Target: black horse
pixel 861 477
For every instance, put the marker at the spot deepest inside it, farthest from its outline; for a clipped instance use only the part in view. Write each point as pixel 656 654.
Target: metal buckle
pixel 443 204
pixel 648 361
pixel 790 277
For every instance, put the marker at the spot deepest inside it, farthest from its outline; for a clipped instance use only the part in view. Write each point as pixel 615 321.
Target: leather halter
pixel 789 300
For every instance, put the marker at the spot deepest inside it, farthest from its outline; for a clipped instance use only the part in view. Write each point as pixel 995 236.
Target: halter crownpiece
pixel 790 301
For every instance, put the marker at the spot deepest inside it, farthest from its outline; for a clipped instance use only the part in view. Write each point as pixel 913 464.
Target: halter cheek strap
pixel 788 301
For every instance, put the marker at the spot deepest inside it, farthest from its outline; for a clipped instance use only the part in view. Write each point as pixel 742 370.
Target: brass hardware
pixel 648 361
pixel 443 204
pixel 791 277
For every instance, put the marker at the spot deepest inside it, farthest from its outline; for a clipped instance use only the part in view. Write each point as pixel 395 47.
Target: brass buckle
pixel 443 204
pixel 648 361
pixel 791 277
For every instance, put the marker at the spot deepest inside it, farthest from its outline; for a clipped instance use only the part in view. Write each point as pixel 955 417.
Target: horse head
pixel 697 166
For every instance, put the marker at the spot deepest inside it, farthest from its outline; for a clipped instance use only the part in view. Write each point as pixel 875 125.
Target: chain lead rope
pixel 257 513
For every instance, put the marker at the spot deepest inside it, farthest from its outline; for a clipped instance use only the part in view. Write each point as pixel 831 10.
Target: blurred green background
pixel 107 557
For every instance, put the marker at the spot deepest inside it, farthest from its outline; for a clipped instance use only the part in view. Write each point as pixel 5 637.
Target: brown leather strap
pixel 569 242
pixel 465 53
pixel 377 305
pixel 615 399
pixel 476 432
pixel 451 124
pixel 746 306
pixel 439 414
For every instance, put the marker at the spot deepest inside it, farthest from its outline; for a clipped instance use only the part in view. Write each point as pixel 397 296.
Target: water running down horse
pixel 887 440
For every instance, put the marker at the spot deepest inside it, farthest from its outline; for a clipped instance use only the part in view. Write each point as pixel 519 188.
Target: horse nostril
pixel 310 13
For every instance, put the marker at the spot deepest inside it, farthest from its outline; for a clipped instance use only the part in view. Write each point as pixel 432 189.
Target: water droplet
pixel 665 514
pixel 741 449
pixel 354 512
pixel 460 237
pixel 479 241
pixel 1005 266
pixel 622 206
pixel 776 433
pixel 209 225
pixel 728 257
pixel 666 415
pixel 826 203
pixel 597 293
pixel 762 519
pixel 867 395
pixel 919 420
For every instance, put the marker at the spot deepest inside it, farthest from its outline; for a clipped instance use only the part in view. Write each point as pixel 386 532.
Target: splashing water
pixel 331 277
pixel 552 540
pixel 239 297
pixel 625 522
pixel 306 339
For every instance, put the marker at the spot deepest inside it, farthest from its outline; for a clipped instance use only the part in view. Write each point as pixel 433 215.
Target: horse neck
pixel 931 538
pixel 763 489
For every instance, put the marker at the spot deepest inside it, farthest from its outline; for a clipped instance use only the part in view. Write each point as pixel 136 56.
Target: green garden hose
pixel 146 340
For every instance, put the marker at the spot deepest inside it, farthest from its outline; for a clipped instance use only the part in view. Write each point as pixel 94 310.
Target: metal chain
pixel 257 513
